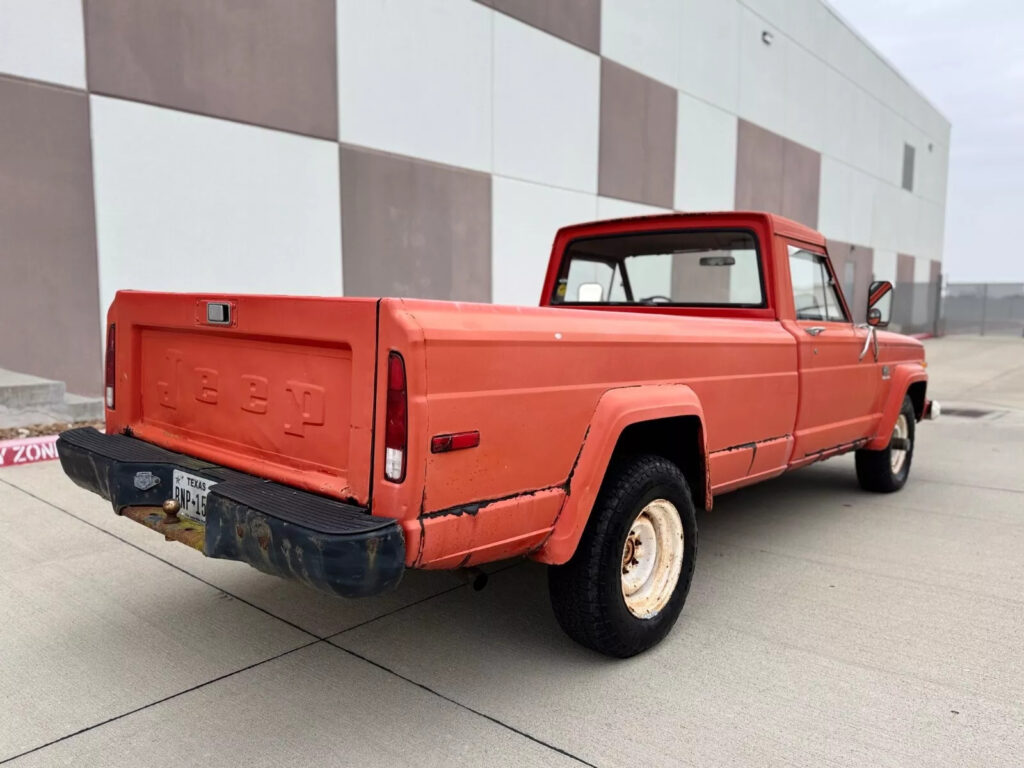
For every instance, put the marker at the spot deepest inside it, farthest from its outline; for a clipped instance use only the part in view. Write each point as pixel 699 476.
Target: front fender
pixel 616 410
pixel 903 375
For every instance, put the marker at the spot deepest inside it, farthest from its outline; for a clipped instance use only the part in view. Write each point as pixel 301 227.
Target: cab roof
pixel 777 224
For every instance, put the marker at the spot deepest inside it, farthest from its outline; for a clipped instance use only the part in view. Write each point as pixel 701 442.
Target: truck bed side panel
pixel 529 380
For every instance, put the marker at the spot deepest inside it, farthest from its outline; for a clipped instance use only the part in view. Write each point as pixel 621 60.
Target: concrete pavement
pixel 825 626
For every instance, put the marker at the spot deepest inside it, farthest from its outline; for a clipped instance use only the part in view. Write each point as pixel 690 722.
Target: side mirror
pixel 879 303
pixel 590 293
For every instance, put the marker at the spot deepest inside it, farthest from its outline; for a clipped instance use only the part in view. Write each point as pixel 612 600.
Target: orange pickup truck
pixel 340 441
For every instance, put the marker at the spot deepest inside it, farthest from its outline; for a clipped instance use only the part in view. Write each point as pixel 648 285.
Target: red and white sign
pixel 28 450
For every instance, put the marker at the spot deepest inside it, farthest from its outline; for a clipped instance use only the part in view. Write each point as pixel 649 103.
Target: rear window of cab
pixel 690 268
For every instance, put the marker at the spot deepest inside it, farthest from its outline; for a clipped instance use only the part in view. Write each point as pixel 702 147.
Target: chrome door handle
pixel 814 330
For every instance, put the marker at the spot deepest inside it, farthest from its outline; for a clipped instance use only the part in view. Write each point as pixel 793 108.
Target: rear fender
pixel 616 410
pixel 903 376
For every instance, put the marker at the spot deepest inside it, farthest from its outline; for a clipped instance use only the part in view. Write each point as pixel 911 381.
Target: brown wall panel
pixel 801 180
pixel 759 169
pixel 414 228
pixel 777 175
pixel 49 292
pixel 577 21
pixel 638 137
pixel 904 268
pixel 260 61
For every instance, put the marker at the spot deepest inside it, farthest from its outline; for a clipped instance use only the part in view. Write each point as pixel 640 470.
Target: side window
pixel 814 294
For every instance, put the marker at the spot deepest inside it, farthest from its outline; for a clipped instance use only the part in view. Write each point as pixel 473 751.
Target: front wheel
pixel 887 470
pixel 624 587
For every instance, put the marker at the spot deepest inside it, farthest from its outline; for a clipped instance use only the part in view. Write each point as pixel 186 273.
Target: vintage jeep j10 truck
pixel 340 441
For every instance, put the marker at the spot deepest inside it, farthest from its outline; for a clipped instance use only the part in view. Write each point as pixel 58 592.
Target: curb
pixel 28 450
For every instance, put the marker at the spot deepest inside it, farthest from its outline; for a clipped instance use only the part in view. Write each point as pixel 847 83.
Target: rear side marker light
pixel 396 424
pixel 456 441
pixel 109 378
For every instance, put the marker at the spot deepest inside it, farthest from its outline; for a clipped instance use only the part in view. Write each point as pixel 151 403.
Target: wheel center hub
pixel 630 552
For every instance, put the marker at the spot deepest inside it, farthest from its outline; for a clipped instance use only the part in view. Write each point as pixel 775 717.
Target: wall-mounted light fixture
pixel 767 37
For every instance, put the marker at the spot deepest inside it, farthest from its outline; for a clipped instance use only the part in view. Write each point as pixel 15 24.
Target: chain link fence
pixel 986 309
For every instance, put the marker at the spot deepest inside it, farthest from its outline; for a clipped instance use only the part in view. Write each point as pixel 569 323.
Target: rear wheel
pixel 624 587
pixel 887 470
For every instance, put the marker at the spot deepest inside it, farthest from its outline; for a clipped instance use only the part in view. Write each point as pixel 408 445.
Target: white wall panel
pixel 863 189
pixel 893 131
pixel 922 269
pixel 885 219
pixel 837 108
pixel 864 148
pixel 931 226
pixel 834 199
pixel 526 218
pixel 705 157
pixel 844 50
pixel 907 224
pixel 192 203
pixel 546 107
pixel 415 79
pixel 805 94
pixel 884 267
pixel 643 35
pixel 43 40
pixel 709 51
pixel 613 208
pixel 807 23
pixel 847 203
pixel 762 73
pixel 876 77
pixel 773 11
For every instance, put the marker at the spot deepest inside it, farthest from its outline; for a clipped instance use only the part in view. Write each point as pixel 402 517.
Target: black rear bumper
pixel 327 544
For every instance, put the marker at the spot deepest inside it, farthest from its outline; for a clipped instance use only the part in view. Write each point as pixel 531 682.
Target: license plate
pixel 190 492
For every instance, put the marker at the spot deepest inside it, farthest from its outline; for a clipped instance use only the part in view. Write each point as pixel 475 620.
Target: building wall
pixel 425 147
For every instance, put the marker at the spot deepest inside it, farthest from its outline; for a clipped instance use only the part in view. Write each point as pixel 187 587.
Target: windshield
pixel 689 268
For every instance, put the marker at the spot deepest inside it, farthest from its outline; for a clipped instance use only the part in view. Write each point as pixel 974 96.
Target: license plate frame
pixel 191 491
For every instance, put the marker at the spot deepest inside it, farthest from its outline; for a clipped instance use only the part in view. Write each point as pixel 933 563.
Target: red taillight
pixel 396 426
pixel 109 380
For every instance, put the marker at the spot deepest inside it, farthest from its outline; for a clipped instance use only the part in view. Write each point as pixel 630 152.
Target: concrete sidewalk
pixel 825 626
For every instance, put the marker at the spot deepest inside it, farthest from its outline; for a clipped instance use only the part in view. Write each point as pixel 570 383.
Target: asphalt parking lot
pixel 825 626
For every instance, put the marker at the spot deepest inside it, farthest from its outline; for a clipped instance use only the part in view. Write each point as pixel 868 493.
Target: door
pixel 837 385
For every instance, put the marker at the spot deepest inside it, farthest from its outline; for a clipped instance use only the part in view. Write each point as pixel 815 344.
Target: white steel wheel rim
pixel 652 558
pixel 898 456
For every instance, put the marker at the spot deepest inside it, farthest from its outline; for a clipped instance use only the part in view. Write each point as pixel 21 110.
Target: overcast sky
pixel 967 57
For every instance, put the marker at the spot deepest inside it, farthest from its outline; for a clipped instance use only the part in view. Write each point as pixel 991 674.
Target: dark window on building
pixel 908 167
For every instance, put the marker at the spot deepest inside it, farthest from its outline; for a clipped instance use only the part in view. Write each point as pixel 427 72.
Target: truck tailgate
pixel 284 390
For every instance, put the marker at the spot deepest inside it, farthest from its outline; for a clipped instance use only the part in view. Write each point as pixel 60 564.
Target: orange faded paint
pixel 902 376
pixel 293 390
pixel 285 392
pixel 617 409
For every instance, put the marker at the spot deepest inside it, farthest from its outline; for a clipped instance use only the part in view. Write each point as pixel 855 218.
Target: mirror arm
pixel 871 340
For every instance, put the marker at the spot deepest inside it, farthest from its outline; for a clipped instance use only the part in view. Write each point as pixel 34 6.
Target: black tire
pixel 874 468
pixel 587 592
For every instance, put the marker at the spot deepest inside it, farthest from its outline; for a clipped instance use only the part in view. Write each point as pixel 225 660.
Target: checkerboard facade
pixel 425 148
